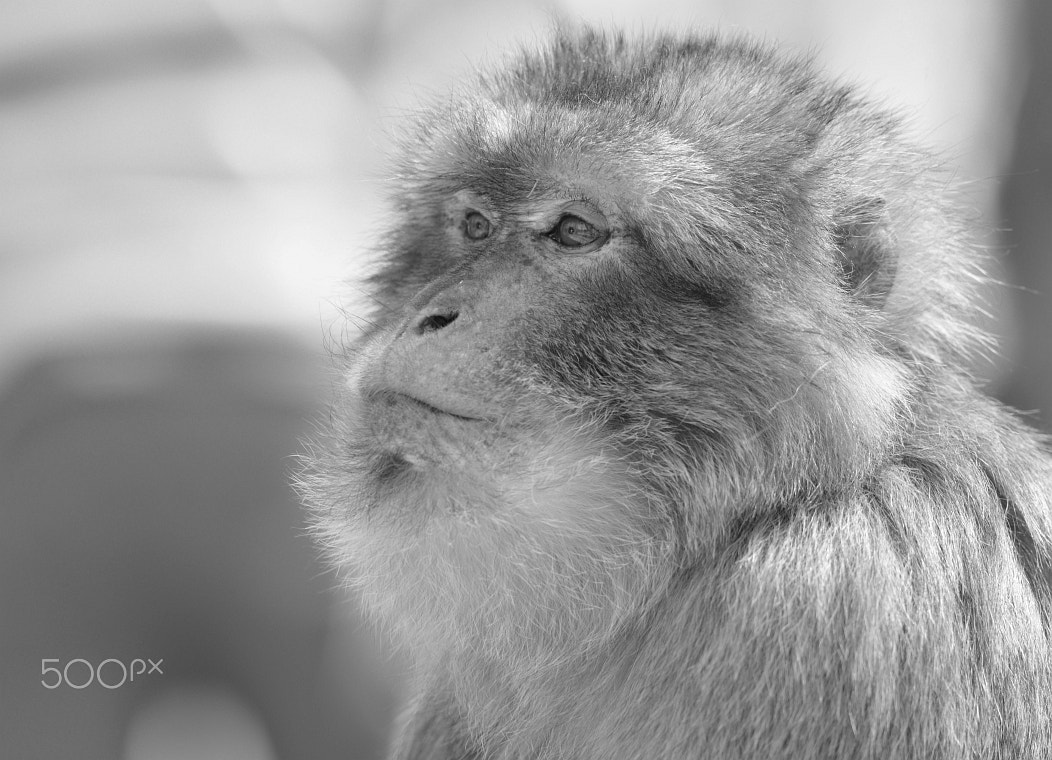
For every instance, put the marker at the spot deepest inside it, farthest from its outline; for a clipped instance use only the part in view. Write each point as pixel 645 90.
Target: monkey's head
pixel 634 297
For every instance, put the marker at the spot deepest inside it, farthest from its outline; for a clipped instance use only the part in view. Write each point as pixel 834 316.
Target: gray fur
pixel 721 487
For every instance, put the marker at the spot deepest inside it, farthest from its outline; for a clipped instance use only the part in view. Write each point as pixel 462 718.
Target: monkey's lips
pixel 394 399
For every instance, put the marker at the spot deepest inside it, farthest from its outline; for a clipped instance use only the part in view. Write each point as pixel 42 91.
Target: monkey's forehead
pixel 519 154
pixel 529 149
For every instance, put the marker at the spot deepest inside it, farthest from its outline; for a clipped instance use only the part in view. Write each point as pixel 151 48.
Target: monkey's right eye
pixel 476 226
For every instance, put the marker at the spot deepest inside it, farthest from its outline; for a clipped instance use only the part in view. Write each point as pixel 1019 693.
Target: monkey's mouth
pixel 395 399
pixel 416 434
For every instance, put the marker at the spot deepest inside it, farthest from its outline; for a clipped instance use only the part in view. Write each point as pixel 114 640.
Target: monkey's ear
pixel 867 257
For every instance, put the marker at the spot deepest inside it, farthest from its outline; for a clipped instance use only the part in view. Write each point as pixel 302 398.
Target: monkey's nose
pixel 435 322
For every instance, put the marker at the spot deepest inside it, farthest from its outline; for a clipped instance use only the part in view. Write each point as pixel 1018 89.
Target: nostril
pixel 434 322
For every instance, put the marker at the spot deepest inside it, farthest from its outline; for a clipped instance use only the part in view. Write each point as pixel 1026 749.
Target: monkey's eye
pixel 476 226
pixel 574 232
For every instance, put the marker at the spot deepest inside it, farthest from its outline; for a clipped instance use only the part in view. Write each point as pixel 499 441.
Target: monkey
pixel 662 442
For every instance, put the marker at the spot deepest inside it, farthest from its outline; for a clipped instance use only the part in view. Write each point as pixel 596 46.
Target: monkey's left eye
pixel 476 226
pixel 574 232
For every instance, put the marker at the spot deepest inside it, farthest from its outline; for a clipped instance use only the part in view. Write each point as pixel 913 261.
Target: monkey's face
pixel 447 380
pixel 598 345
pixel 558 270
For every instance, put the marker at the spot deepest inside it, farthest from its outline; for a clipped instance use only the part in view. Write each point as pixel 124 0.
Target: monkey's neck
pixel 520 710
pixel 558 704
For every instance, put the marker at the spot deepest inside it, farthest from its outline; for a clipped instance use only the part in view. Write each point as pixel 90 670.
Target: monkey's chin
pixel 487 564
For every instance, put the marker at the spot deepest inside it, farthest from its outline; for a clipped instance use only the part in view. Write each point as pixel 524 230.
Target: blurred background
pixel 187 190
